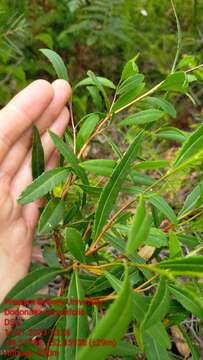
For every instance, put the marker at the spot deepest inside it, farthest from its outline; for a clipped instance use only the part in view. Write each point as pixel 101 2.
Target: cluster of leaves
pixel 119 241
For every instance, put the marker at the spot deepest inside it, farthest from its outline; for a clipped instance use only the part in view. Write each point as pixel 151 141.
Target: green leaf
pixel 153 349
pixel 58 352
pixel 171 133
pixel 103 81
pixel 99 86
pixel 112 326
pixel 159 334
pixel 38 164
pixel 143 117
pixel 69 156
pixel 158 306
pixel 101 283
pixel 119 244
pixel 161 204
pixel 127 97
pixel 111 190
pixel 51 216
pixel 57 63
pixel 190 241
pixel 114 147
pixel 49 254
pixel 43 184
pixel 74 243
pixel 29 285
pixel 92 190
pixel 71 213
pixel 156 238
pixel 191 146
pixel 140 179
pixel 174 245
pixel 190 265
pixel 130 68
pixel 175 82
pixel 148 164
pixel 87 129
pixel 99 167
pixel 130 84
pixel 114 281
pixel 162 103
pixel 125 349
pixel 187 61
pixel 77 324
pixel 188 299
pixel 140 306
pixel 140 228
pixel 192 200
pixel 96 97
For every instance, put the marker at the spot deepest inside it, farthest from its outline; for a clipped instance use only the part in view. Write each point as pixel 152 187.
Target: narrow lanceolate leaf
pixel 51 216
pixel 130 68
pixel 96 97
pixel 103 81
pixel 99 167
pixel 86 129
pixel 127 97
pixel 153 349
pixel 159 334
pixel 113 186
pixel 112 326
pixel 175 82
pixel 158 306
pixel 77 324
pixel 190 265
pixel 143 117
pixel 171 133
pixel 148 164
pixel 30 284
pixel 92 190
pixel 140 228
pixel 37 154
pixel 125 350
pixel 130 83
pixel 114 281
pixel 57 63
pixel 174 245
pixel 161 204
pixel 99 86
pixel 57 352
pixel 43 184
pixel 191 146
pixel 69 156
pixel 162 103
pixel 140 303
pixel 188 299
pixel 74 243
pixel 193 199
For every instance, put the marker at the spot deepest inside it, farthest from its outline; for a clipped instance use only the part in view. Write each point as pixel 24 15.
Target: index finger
pixel 20 113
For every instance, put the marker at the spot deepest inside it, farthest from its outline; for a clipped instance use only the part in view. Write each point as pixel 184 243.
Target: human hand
pixel 42 104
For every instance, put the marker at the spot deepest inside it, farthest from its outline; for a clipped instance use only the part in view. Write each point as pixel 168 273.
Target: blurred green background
pixel 100 35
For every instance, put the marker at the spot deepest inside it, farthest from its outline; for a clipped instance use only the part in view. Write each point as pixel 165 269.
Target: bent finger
pixel 19 150
pixel 20 113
